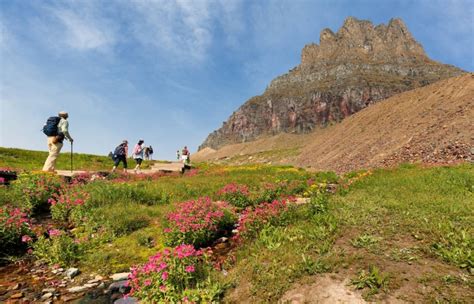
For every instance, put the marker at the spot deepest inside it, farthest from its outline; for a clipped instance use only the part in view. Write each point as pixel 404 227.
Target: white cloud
pixel 84 32
pixel 81 26
pixel 231 18
pixel 182 30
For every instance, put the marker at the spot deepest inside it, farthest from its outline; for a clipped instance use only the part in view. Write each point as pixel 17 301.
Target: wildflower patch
pixel 199 222
pixel 176 275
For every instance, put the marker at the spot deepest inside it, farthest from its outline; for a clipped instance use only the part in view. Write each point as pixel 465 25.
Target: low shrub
pixel 67 204
pixel 179 275
pixel 37 189
pixel 253 220
pixel 14 224
pixel 236 195
pixel 318 204
pixel 199 222
pixel 315 189
pixel 56 248
pixel 82 178
pixel 268 192
pixel 293 187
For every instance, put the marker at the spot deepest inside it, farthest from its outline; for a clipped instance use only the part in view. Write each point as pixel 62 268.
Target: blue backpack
pixel 51 126
pixel 120 150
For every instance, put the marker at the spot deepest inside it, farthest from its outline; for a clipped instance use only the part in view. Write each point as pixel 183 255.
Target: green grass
pixel 370 232
pixel 393 216
pixel 34 160
pixel 432 207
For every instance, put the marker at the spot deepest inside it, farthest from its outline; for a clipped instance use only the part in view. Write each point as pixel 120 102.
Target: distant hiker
pixel 56 128
pixel 146 152
pixel 150 152
pixel 138 154
pixel 178 155
pixel 120 155
pixel 185 155
pixel 111 155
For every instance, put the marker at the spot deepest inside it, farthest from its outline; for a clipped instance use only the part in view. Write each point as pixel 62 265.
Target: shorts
pixel 138 161
pixel 120 158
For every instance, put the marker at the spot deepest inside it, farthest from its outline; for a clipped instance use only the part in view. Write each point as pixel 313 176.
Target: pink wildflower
pixel 190 268
pixel 54 232
pixel 164 276
pixel 26 239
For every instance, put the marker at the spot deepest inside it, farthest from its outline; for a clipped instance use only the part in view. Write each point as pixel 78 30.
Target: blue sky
pixel 171 72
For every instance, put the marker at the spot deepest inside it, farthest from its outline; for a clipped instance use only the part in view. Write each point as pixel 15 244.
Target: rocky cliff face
pixel 348 71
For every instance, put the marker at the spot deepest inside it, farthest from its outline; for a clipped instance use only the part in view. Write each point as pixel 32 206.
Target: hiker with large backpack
pixel 56 128
pixel 138 155
pixel 120 155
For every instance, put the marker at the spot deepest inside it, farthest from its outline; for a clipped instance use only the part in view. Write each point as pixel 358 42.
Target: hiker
pixel 138 155
pixel 120 155
pixel 146 152
pixel 150 152
pixel 178 155
pixel 56 128
pixel 185 155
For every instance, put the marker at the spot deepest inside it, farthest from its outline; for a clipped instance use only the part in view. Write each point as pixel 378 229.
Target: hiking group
pixel 139 153
pixel 56 129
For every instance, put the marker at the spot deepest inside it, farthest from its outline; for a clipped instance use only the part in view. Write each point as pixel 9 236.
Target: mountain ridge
pixel 432 125
pixel 349 70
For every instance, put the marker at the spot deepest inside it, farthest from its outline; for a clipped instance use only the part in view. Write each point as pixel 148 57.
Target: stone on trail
pixel 17 295
pixel 72 272
pixel 120 286
pixel 120 276
pixel 47 296
pixel 46 290
pixel 91 285
pixel 127 300
pixel 77 289
pixel 14 287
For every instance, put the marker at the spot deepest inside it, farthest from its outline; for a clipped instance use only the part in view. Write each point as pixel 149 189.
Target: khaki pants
pixel 54 149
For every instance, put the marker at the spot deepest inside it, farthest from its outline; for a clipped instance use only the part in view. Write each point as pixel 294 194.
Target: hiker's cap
pixel 63 113
pixel 125 141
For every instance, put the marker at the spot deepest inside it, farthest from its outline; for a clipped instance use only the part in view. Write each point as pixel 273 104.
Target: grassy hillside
pixel 34 160
pixel 401 234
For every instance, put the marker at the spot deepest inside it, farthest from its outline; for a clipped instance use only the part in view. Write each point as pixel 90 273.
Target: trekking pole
pixel 71 157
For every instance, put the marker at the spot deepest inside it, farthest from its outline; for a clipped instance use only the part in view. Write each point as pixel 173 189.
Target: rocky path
pixel 156 167
pixel 29 281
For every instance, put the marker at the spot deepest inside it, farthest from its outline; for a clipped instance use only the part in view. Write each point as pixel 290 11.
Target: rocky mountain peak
pixel 349 70
pixel 359 39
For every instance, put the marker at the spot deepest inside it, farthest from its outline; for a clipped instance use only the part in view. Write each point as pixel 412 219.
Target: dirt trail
pixel 157 167
pixel 325 290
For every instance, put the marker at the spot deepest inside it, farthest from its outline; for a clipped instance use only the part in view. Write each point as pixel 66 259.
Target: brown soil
pixel 432 124
pixel 326 290
pixel 418 279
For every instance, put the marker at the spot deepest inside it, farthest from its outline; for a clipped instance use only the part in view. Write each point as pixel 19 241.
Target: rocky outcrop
pixel 348 71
